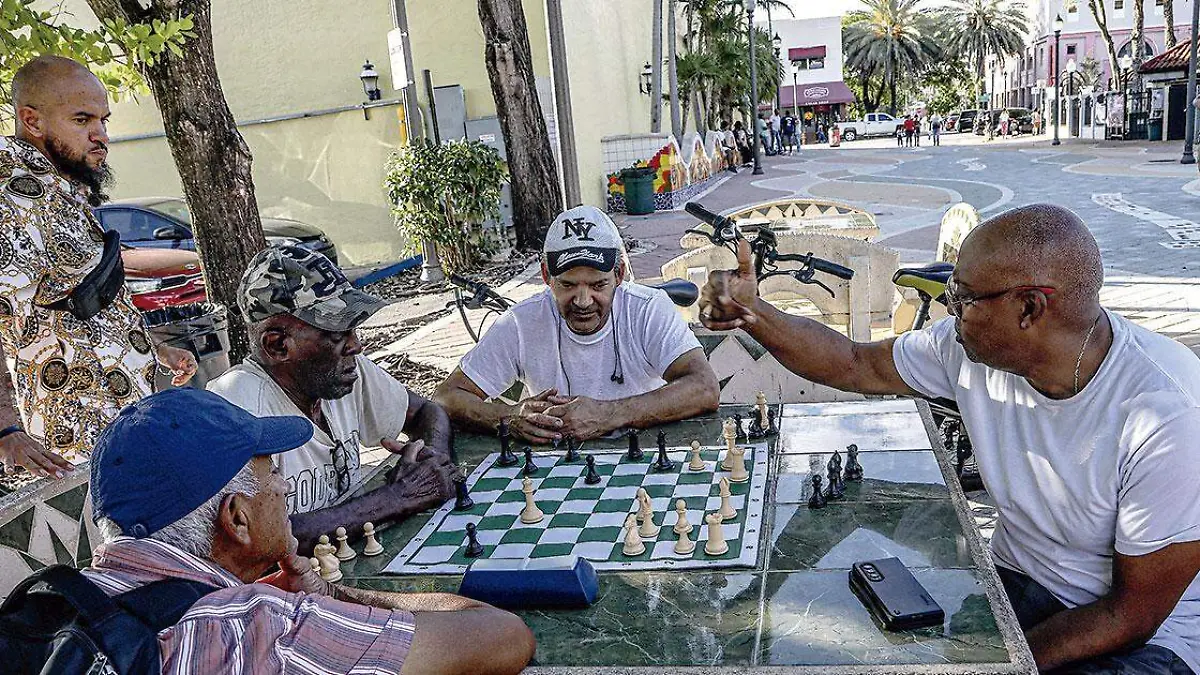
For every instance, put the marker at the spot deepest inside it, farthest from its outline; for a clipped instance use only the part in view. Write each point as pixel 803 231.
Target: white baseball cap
pixel 586 236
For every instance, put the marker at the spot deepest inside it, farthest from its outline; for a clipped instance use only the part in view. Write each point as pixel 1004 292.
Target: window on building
pixel 1118 5
pixel 1158 3
pixel 810 64
pixel 1072 6
pixel 1070 50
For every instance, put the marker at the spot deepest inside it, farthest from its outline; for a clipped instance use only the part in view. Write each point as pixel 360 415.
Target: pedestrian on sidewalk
pixel 764 133
pixel 729 146
pixel 909 127
pixel 789 133
pixel 1037 122
pixel 899 135
pixel 743 143
pixel 917 130
pixel 935 127
pixel 777 132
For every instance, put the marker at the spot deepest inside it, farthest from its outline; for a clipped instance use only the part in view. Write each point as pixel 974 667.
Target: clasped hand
pixel 548 417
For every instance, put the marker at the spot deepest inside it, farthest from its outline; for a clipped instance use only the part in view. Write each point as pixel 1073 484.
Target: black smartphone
pixel 893 595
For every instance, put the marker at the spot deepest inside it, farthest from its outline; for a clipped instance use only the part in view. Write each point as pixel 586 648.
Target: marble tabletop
pixel 793 612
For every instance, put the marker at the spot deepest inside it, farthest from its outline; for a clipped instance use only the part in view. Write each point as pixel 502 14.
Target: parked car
pixel 876 124
pixel 951 122
pixel 966 121
pixel 158 277
pixel 164 222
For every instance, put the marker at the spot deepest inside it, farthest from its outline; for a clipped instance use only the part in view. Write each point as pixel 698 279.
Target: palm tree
pixel 1169 23
pixel 892 38
pixel 1101 16
pixel 976 29
pixel 1136 40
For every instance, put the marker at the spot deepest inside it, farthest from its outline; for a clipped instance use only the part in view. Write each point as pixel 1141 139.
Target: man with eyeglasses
pixel 1086 428
pixel 305 359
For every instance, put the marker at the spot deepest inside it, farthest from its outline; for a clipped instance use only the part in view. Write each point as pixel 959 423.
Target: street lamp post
pixel 1058 26
pixel 1072 121
pixel 1126 63
pixel 778 41
pixel 753 88
pixel 1190 133
pixel 795 93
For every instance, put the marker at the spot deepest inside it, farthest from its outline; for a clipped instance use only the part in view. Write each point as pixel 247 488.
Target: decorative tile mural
pixel 679 173
pixel 45 523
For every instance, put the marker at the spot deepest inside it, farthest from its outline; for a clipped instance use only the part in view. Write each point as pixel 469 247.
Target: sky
pixel 807 9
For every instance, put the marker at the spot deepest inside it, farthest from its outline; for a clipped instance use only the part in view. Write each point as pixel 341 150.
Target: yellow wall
pixel 607 45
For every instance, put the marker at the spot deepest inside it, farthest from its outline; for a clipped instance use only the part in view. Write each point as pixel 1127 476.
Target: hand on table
pixel 422 479
pixel 18 449
pixel 583 417
pixel 181 363
pixel 727 300
pixel 532 421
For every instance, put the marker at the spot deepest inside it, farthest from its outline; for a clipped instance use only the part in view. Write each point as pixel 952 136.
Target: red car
pixel 162 277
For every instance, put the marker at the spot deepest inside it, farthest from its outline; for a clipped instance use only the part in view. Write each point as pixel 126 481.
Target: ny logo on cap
pixel 578 227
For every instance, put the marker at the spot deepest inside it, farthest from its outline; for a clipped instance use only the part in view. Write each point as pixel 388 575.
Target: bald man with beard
pixel 72 369
pixel 1086 428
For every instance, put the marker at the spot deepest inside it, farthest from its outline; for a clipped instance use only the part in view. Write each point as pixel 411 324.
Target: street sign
pixel 400 77
pixel 985 97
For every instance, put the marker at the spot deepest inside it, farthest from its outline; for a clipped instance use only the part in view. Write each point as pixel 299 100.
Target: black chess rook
pixel 635 453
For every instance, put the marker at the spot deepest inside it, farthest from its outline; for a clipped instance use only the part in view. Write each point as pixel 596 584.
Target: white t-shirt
pixel 375 409
pixel 1114 467
pixel 775 123
pixel 532 344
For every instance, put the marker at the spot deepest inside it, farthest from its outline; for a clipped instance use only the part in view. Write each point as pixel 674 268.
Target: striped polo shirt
pixel 254 628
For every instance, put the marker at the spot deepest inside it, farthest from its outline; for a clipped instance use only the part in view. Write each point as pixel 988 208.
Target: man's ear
pixel 545 273
pixel 29 119
pixel 1033 308
pixel 620 268
pixel 233 519
pixel 275 344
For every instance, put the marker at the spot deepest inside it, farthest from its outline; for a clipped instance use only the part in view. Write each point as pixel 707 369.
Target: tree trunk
pixel 1100 14
pixel 673 75
pixel 536 195
pixel 1137 40
pixel 1168 24
pixel 212 157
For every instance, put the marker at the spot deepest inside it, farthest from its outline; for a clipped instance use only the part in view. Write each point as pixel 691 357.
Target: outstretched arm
pixel 468 406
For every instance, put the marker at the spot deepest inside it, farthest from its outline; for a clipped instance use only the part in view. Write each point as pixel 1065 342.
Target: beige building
pixel 289 69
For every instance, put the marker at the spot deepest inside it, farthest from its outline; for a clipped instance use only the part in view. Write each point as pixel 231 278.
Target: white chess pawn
pixel 344 552
pixel 727 511
pixel 684 546
pixel 696 463
pixel 531 513
pixel 648 530
pixel 372 547
pixel 681 521
pixel 645 509
pixel 716 539
pixel 322 547
pixel 737 466
pixel 316 565
pixel 633 541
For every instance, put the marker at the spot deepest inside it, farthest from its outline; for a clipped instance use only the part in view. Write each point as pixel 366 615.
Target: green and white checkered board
pixel 587 520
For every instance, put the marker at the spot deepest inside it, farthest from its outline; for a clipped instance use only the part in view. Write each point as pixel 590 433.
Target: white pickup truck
pixel 876 124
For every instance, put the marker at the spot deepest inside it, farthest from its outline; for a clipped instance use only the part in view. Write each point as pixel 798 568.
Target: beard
pixel 76 169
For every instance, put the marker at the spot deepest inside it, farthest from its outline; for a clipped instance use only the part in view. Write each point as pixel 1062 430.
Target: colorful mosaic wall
pixel 44 523
pixel 679 173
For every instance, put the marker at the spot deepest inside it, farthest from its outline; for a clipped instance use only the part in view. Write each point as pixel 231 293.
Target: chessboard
pixel 587 520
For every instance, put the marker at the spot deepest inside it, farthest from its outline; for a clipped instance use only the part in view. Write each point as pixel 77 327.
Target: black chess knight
pixel 741 429
pixel 854 470
pixel 757 430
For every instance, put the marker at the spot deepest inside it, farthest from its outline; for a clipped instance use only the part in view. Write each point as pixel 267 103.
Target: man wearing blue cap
pixel 183 487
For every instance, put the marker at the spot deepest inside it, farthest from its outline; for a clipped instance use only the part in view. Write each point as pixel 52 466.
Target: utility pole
pixel 673 76
pixel 1189 137
pixel 1058 25
pixel 656 60
pixel 562 104
pixel 753 90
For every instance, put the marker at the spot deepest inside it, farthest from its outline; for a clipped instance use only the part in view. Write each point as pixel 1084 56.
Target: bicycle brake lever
pixel 822 285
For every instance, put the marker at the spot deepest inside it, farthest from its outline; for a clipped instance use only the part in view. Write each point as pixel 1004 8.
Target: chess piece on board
pixel 645 509
pixel 760 402
pixel 635 453
pixel 663 463
pixel 330 565
pixel 648 530
pixel 474 548
pixel 772 428
pixel 530 468
pixel 591 478
pixel 572 455
pixel 507 457
pixel 738 427
pixel 737 466
pixel 531 513
pixel 684 546
pixel 372 547
pixel 681 521
pixel 836 487
pixel 817 499
pixel 315 564
pixel 730 436
pixel 716 544
pixel 727 511
pixel 633 541
pixel 697 462
pixel 854 470
pixel 462 497
pixel 344 552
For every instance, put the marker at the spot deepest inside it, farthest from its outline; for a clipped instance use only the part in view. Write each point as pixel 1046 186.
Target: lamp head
pixel 1058 24
pixel 370 81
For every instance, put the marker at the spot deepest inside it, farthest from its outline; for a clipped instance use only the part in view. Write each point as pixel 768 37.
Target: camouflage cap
pixel 305 284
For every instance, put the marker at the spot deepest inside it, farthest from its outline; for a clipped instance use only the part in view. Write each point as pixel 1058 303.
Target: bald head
pixel 41 82
pixel 1036 245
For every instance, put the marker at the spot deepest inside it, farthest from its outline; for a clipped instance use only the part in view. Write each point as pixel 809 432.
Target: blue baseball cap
pixel 167 454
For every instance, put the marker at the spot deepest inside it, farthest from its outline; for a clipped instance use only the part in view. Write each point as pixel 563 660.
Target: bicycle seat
pixel 681 291
pixel 930 279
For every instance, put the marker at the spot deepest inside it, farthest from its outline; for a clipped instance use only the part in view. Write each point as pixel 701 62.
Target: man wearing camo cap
pixel 305 359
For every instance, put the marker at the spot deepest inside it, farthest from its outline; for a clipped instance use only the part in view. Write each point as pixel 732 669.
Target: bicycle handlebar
pixel 819 264
pixel 480 290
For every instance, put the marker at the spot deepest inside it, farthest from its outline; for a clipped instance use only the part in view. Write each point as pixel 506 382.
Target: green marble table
pixel 792 612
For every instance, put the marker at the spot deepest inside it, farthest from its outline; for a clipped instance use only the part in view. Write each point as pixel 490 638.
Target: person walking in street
pixel 909 127
pixel 917 131
pixel 789 133
pixel 1037 122
pixel 777 132
pixel 935 128
pixel 764 133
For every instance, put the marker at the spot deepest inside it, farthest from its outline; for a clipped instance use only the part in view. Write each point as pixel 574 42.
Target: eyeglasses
pixel 341 468
pixel 955 302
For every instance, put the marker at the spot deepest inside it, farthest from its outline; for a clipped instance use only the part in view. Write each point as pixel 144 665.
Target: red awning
pixel 797 53
pixel 820 93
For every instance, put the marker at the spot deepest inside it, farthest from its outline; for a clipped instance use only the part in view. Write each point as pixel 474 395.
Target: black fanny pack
pixel 100 287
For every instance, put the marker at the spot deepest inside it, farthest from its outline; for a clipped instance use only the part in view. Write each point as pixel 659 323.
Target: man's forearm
pixel 1081 633
pixel 432 425
pixel 409 602
pixel 375 506
pixel 808 348
pixel 472 412
pixel 686 397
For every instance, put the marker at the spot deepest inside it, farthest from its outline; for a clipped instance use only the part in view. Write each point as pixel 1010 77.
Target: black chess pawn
pixel 474 548
pixel 854 470
pixel 462 499
pixel 635 453
pixel 741 430
pixel 772 429
pixel 572 450
pixel 591 478
pixel 837 489
pixel 507 456
pixel 530 468
pixel 662 463
pixel 817 500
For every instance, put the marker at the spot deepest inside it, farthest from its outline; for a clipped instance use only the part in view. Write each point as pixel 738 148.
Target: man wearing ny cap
pixel 594 351
pixel 305 359
pixel 222 521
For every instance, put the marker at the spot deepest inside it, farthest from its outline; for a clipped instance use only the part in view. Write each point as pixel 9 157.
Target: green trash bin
pixel 1154 129
pixel 639 190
